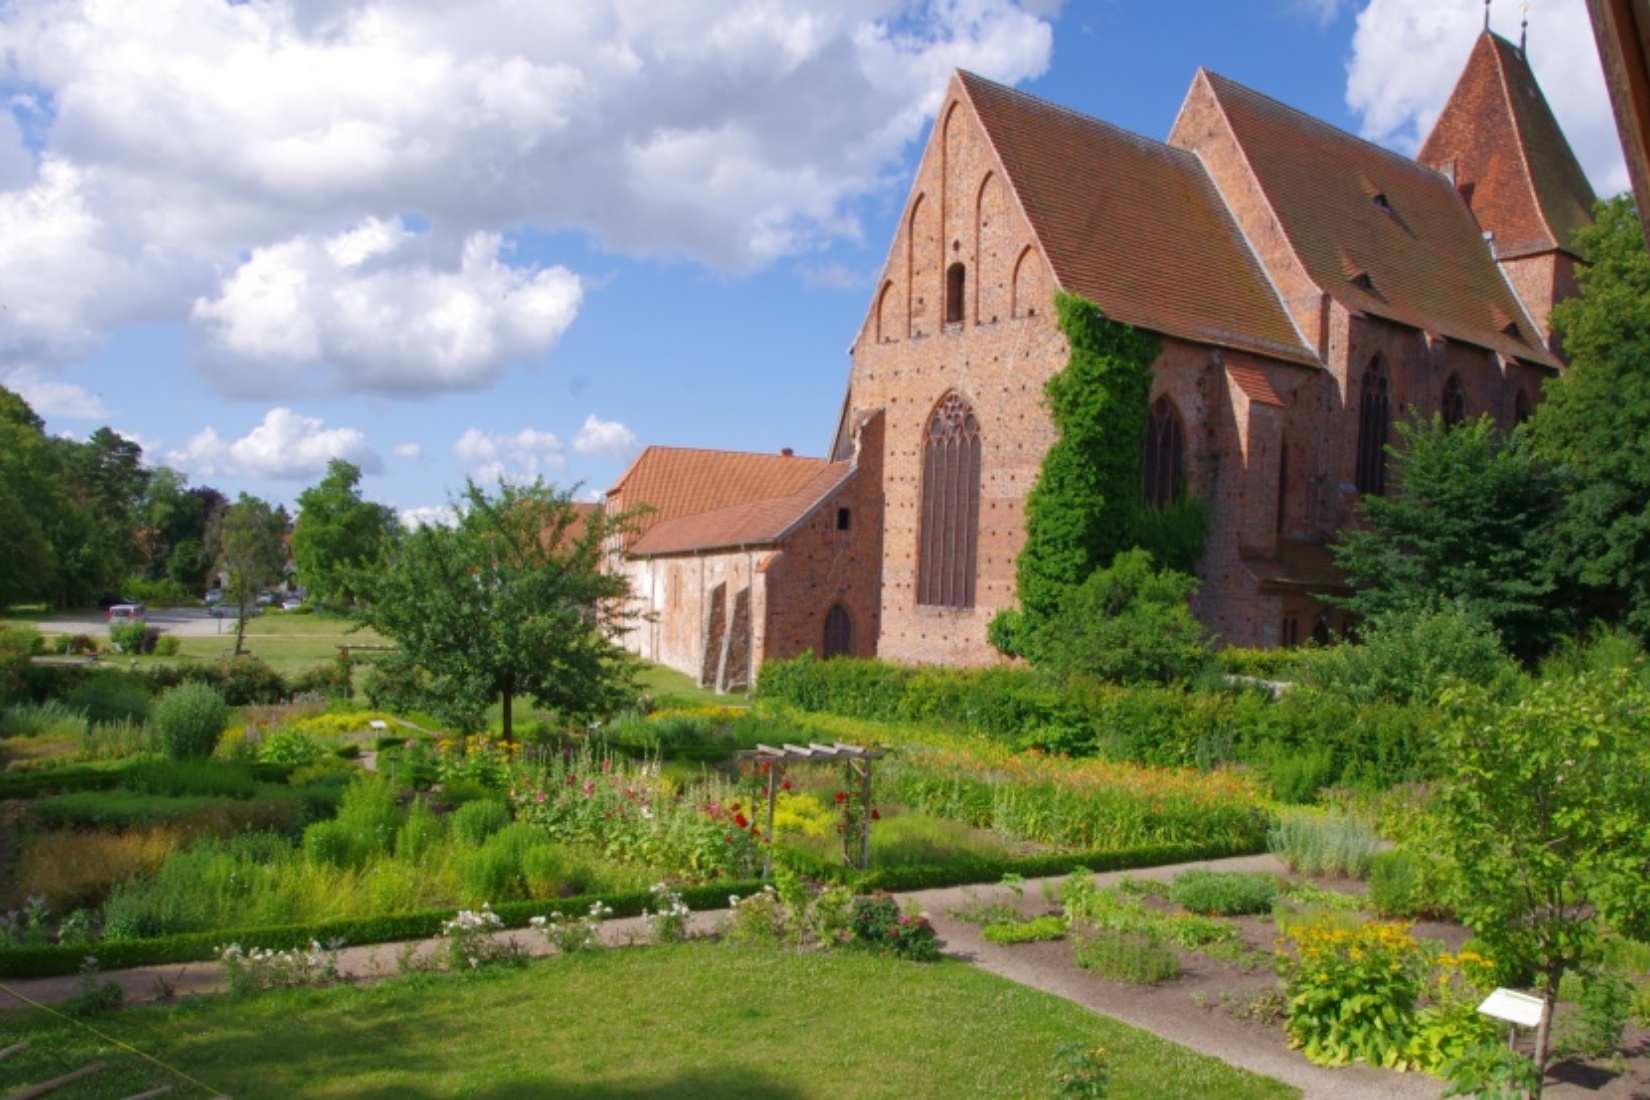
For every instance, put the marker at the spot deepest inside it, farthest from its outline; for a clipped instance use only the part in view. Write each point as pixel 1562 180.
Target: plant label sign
pixel 1515 1008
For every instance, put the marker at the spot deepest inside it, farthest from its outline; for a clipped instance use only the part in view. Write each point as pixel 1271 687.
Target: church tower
pixel 1498 141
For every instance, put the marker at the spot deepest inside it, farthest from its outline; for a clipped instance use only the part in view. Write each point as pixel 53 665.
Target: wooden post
pixel 773 790
pixel 865 818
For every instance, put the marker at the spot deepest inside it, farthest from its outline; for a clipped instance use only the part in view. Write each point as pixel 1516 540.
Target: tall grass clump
pixel 474 822
pixel 1335 843
pixel 118 740
pixel 177 778
pixel 1223 893
pixel 190 718
pixel 110 697
pixel 49 719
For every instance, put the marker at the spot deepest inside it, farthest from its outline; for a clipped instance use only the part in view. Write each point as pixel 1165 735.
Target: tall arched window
pixel 948 541
pixel 1161 456
pixel 839 633
pixel 1455 402
pixel 1521 407
pixel 956 284
pixel 1374 421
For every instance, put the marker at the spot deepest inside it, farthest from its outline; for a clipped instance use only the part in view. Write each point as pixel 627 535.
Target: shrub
pixel 1397 886
pixel 1298 776
pixel 246 680
pixel 1323 844
pixel 1128 623
pixel 190 717
pixel 1140 958
pixel 50 719
pixel 878 925
pixel 474 822
pixel 1351 995
pixel 287 746
pixel 176 778
pixel 20 641
pixel 1223 893
pixel 110 697
pixel 167 646
pixel 419 834
pixel 133 637
pixel 1408 655
pixel 1006 933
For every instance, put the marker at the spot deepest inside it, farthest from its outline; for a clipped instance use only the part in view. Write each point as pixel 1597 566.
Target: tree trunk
pixel 509 706
pixel 1543 1031
pixel 240 629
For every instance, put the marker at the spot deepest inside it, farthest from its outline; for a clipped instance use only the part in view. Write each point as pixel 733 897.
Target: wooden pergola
pixel 856 774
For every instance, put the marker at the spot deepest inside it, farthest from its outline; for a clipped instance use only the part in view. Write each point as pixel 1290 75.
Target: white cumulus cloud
pixel 606 439
pixel 520 457
pixel 369 312
pixel 285 445
pixel 412 452
pixel 429 515
pixel 1408 54
pixel 174 141
pixel 49 398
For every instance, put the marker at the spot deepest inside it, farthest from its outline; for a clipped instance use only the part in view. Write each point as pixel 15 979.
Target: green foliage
pixel 1127 623
pixel 49 719
pixel 247 540
pixel 1470 522
pixel 474 822
pixel 1408 654
pixel 1595 423
pixel 246 680
pixel 1313 843
pixel 1124 955
pixel 190 718
pixel 1297 775
pixel 1079 512
pixel 1352 994
pixel 1223 893
pixel 290 746
pixel 339 537
pixel 1398 886
pixel 109 697
pixel 1547 820
pixel 1081 1073
pixel 512 601
pixel 1036 930
pixel 177 778
pixel 1173 534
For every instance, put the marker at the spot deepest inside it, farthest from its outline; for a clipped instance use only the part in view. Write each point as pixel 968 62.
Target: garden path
pixel 1169 1011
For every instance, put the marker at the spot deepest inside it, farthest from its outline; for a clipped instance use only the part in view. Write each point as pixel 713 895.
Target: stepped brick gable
pixel 1309 289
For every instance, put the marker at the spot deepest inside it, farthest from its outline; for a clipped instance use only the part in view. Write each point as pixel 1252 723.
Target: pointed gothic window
pixel 1455 402
pixel 956 280
pixel 1374 421
pixel 1162 456
pixel 947 540
pixel 839 633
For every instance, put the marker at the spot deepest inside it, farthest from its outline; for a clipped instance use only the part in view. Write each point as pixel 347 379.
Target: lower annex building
pixel 1308 287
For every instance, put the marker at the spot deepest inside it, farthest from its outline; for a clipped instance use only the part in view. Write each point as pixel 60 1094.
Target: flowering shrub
pixel 1449 1027
pixel 1075 804
pixel 256 969
pixel 758 920
pixel 668 922
pixel 290 746
pixel 1081 1073
pixel 471 943
pixel 577 934
pixel 1352 993
pixel 880 926
pixel 632 813
pixel 482 760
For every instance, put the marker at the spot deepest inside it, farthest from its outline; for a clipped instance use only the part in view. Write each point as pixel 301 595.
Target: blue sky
pixel 507 239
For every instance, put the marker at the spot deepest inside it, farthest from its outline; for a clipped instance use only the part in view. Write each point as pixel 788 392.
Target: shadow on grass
pixel 700 1083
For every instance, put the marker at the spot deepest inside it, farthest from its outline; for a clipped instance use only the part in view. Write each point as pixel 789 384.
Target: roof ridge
pixel 1150 144
pixel 1520 138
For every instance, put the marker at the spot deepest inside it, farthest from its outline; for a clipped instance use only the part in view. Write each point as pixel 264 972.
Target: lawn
pixel 694 1020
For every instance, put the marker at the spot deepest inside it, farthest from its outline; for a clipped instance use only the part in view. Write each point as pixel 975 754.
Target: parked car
pixel 126 612
pixel 265 599
pixel 291 603
pixel 213 595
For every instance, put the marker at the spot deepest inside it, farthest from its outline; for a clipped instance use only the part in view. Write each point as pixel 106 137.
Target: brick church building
pixel 1308 286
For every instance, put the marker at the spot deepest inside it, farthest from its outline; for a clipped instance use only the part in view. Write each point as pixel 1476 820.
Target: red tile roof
pixel 1380 233
pixel 684 481
pixel 1254 384
pixel 1133 225
pixel 756 523
pixel 1526 184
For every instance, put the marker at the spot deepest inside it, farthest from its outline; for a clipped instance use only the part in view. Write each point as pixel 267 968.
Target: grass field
pixel 697 1020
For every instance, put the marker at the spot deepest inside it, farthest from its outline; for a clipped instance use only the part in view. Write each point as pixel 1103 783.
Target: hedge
pixel 61 959
pixel 85 777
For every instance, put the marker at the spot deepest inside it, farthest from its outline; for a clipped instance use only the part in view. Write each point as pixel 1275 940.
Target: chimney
pixel 787 452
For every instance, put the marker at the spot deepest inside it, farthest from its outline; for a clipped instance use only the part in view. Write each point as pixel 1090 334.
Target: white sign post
pixel 1519 1009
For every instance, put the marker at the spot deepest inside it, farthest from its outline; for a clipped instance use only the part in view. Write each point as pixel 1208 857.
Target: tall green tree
pixel 174 519
pixel 247 540
pixel 30 492
pixel 1545 819
pixel 512 601
pixel 1595 422
pixel 1470 521
pixel 338 536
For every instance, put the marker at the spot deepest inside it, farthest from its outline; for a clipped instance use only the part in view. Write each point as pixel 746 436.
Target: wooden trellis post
pixel 857 772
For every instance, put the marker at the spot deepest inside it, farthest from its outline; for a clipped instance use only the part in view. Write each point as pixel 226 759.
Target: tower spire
pixel 1486 16
pixel 1524 33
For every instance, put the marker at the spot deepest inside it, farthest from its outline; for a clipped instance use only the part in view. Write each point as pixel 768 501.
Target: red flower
pixel 785 786
pixel 841 796
pixel 739 820
pixel 734 806
pixel 876 815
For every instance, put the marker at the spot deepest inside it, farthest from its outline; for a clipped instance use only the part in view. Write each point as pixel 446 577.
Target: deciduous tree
pixel 511 601
pixel 338 536
pixel 248 542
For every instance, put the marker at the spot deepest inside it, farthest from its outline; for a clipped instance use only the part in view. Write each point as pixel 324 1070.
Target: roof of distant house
pixel 755 523
pixel 684 481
